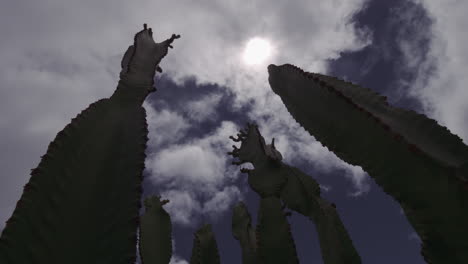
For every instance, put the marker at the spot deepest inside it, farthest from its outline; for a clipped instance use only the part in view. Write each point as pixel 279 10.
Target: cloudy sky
pixel 57 57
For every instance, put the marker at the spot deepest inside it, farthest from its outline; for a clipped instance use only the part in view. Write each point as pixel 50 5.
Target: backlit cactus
pixel 205 248
pixel 275 181
pixel 81 203
pixel 415 160
pixel 155 232
pixel 242 230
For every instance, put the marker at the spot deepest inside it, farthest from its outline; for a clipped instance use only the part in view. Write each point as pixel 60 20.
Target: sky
pixel 57 57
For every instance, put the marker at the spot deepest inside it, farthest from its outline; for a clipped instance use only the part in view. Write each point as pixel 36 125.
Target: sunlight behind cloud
pixel 211 51
pixel 256 51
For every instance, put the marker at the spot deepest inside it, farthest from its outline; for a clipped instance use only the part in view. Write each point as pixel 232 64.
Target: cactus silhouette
pixel 275 181
pixel 81 203
pixel 415 160
pixel 205 248
pixel 242 230
pixel 155 232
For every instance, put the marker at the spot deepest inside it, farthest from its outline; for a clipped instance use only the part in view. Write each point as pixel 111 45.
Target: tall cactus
pixel 272 179
pixel 274 240
pixel 205 248
pixel 81 203
pixel 155 232
pixel 242 230
pixel 415 160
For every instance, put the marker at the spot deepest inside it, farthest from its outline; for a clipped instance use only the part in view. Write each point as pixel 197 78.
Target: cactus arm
pixel 205 248
pixel 335 244
pixel 142 58
pixel 298 191
pixel 262 182
pixel 244 233
pixel 155 233
pixel 81 203
pixel 302 194
pixel 138 67
pixel 434 140
pixel 412 158
pixel 275 242
pixel 265 179
pixel 296 195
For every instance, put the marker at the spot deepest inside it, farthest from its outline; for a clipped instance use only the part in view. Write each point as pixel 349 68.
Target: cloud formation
pixel 441 78
pixel 298 146
pixel 205 108
pixel 196 176
pixel 164 126
pixel 60 56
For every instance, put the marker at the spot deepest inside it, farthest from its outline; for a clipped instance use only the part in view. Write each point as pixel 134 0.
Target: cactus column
pixel 81 203
pixel 155 232
pixel 242 230
pixel 205 248
pixel 415 160
pixel 273 180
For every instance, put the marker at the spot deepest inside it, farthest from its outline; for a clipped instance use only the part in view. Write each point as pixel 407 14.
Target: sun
pixel 256 51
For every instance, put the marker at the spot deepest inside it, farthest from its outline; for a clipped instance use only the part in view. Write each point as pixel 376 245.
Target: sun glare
pixel 257 51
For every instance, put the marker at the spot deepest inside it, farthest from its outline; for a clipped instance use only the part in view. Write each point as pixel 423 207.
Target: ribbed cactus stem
pixel 81 203
pixel 414 159
pixel 271 178
pixel 275 242
pixel 205 248
pixel 155 232
pixel 302 194
pixel 243 232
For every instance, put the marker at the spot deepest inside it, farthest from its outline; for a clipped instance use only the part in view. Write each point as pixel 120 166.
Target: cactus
pixel 242 231
pixel 273 180
pixel 274 240
pixel 415 160
pixel 81 203
pixel 205 249
pixel 155 232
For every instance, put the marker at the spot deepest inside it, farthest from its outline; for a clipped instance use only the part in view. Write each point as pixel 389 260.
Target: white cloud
pixel 222 201
pixel 325 188
pixel 204 108
pixel 187 207
pixel 183 206
pixel 55 63
pixel 201 161
pixel 219 140
pixel 325 35
pixel 164 126
pixel 197 175
pixel 193 164
pixel 441 80
pixel 359 178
